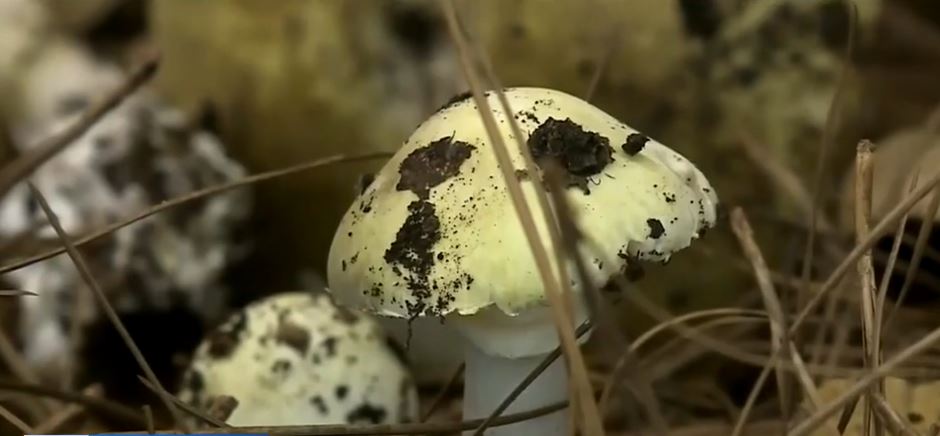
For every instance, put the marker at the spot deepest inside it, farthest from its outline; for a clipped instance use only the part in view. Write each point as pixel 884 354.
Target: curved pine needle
pixel 193 196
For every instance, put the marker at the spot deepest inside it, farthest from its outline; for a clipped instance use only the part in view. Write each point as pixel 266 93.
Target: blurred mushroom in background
pixel 140 154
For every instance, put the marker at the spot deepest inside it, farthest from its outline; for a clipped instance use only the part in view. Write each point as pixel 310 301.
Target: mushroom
pixel 435 234
pixel 296 358
pixel 139 154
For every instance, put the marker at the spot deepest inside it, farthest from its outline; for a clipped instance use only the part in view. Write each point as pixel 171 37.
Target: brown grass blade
pixel 890 219
pixel 15 420
pixel 192 411
pixel 102 405
pixel 148 417
pixel 896 425
pixel 826 143
pixel 19 367
pixel 553 289
pixel 378 429
pixel 90 281
pixel 24 165
pixel 866 277
pixel 923 236
pixel 57 420
pixel 438 400
pixel 890 264
pixel 549 359
pixel 616 374
pixel 193 196
pixel 17 293
pixel 778 322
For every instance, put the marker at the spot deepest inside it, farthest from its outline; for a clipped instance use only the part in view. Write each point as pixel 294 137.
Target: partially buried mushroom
pixel 298 359
pixel 435 233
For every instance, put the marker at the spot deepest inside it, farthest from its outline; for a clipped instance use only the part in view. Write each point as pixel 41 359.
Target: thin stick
pixel 192 411
pixel 896 424
pixel 616 37
pixel 56 421
pixel 584 390
pixel 806 427
pixel 148 416
pixel 378 429
pixel 778 323
pixel 620 366
pixel 571 236
pixel 101 405
pixel 889 220
pixel 83 270
pixel 826 142
pixel 866 275
pixel 24 165
pixel 16 293
pixel 534 374
pixel 787 181
pixel 20 368
pixel 442 394
pixel 15 420
pixel 202 193
pixel 923 236
pixel 553 289
pixel 892 260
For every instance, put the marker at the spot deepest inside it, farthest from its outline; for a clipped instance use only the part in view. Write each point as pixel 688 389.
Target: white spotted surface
pixel 138 155
pixel 298 359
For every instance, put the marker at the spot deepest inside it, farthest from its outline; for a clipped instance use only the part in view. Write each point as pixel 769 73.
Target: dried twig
pixel 93 285
pixel 57 420
pixel 826 142
pixel 192 411
pixel 24 165
pixel 102 405
pixel 379 429
pixel 202 193
pixel 148 416
pixel 890 418
pixel 866 274
pixel 20 368
pixel 923 237
pixel 890 264
pixel 724 314
pixel 16 293
pixel 570 238
pixel 890 219
pixel 787 181
pixel 613 47
pixel 15 420
pixel 534 374
pixel 442 394
pixel 782 345
pixel 553 289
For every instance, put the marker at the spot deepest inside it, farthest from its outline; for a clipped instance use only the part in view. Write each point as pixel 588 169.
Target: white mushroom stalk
pixel 297 359
pixel 435 233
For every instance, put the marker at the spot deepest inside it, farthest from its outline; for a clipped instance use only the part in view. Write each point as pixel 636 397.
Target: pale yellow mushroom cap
pixel 435 232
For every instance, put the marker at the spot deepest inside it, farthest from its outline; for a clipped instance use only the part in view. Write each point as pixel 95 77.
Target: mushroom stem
pixel 489 379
